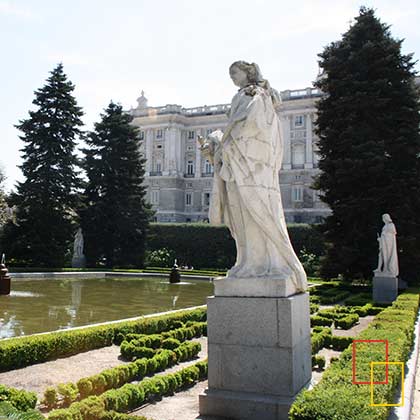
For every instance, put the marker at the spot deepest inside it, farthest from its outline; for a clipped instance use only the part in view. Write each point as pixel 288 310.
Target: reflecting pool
pixel 36 306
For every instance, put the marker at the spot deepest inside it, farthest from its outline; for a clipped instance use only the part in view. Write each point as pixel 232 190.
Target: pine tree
pixel 47 198
pixel 115 217
pixel 368 125
pixel 3 204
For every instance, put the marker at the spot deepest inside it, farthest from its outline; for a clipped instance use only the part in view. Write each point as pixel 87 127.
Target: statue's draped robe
pixel 246 193
pixel 388 249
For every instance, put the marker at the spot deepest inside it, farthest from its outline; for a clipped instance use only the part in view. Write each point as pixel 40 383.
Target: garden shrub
pixel 318 361
pixel 50 397
pixel 347 321
pixel 313 308
pixel 340 343
pixel 24 351
pixel 131 396
pixel 320 338
pixel 335 397
pixel 317 320
pixel 203 245
pixel 20 399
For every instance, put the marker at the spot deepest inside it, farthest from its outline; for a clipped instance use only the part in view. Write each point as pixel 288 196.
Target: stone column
pixel 259 349
pixel 197 156
pixel 287 155
pixel 149 150
pixel 309 163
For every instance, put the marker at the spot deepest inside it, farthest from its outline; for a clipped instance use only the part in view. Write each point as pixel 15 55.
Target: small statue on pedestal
pixel 79 259
pixel 385 281
pixel 388 258
pixel 175 275
pixel 4 277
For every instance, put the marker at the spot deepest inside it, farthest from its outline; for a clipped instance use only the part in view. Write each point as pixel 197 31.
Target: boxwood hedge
pixel 203 245
pixel 335 397
pixel 23 351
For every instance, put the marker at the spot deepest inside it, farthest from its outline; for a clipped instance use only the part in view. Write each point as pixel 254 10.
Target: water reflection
pixel 46 305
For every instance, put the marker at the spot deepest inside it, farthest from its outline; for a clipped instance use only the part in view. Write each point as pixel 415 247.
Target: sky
pixel 177 51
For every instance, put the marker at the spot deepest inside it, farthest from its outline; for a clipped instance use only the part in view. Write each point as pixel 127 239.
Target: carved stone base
pixel 259 352
pixel 385 289
pixel 254 287
pixel 244 405
pixel 78 262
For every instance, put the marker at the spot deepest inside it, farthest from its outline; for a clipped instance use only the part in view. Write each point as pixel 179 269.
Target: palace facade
pixel 179 179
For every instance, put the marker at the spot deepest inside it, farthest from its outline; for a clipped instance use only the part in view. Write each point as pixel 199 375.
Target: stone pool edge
pixel 98 275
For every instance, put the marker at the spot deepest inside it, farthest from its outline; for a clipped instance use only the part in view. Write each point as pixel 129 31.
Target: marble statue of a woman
pixel 246 193
pixel 388 258
pixel 78 244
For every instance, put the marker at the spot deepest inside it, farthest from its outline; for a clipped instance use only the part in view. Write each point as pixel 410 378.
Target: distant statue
pixel 388 257
pixel 78 244
pixel 246 194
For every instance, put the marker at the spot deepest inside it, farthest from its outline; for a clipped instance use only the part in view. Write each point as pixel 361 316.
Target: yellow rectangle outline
pixel 371 384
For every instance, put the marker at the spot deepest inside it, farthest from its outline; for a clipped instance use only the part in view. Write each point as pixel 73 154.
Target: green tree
pixel 115 216
pixel 3 203
pixel 368 126
pixel 47 198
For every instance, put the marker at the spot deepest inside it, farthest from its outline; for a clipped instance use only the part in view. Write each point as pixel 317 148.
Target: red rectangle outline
pixel 354 362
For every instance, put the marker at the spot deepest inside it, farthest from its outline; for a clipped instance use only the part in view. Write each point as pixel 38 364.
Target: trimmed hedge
pixel 347 321
pixel 131 396
pixel 335 397
pixel 18 398
pixel 25 351
pixel 317 320
pixel 141 345
pixel 320 337
pixel 203 245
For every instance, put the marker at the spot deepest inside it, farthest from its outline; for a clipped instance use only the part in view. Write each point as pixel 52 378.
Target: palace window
pixel 206 199
pixel 208 167
pixel 297 193
pixel 155 196
pixel 190 167
pixel 191 134
pixel 141 135
pixel 188 199
pixel 298 155
pixel 159 134
pixel 158 166
pixel 299 121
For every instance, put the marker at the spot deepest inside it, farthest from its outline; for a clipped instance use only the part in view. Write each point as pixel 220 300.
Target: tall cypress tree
pixel 46 199
pixel 368 126
pixel 115 215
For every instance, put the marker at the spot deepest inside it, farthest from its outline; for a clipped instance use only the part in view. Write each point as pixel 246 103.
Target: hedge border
pixel 335 397
pixel 24 351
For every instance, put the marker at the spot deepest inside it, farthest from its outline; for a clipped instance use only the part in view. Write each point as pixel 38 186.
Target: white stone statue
pixel 246 192
pixel 78 244
pixel 388 257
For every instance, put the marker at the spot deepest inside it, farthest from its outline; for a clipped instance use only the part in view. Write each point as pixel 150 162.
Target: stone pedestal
pixel 259 351
pixel 78 262
pixel 385 288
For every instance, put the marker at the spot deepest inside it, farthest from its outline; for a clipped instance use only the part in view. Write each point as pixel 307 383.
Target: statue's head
pixel 243 73
pixel 386 218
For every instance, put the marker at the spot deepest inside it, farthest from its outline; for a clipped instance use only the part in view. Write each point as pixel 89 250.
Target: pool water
pixel 36 306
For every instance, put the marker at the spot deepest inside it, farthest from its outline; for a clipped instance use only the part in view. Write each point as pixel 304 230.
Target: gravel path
pixel 38 377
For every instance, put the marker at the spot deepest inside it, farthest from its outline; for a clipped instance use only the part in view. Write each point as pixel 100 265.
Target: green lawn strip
pixel 24 351
pixel 120 375
pixel 335 397
pixel 131 396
